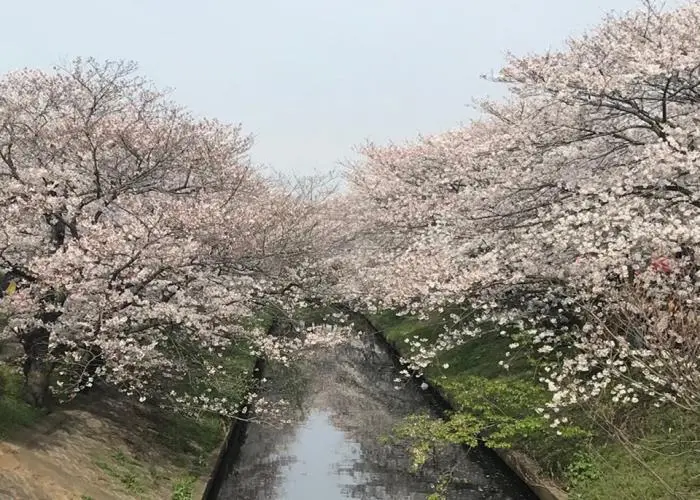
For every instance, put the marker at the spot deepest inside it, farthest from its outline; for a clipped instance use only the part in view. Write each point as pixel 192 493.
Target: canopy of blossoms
pixel 139 235
pixel 571 212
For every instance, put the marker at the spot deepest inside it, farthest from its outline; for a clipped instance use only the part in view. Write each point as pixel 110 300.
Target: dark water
pixel 347 400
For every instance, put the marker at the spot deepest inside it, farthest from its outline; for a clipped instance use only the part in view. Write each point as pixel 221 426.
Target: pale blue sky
pixel 309 78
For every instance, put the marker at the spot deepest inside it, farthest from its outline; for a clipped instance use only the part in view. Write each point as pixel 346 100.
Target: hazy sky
pixel 309 78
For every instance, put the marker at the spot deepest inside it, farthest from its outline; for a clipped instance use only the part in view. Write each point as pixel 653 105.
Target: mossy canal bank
pixel 653 453
pixel 347 402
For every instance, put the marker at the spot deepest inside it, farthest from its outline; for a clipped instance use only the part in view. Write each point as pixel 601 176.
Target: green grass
pixel 477 357
pixel 192 439
pixel 136 478
pixel 660 460
pixel 183 488
pixel 131 475
pixel 15 414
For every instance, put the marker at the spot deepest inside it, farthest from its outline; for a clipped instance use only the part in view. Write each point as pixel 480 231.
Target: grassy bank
pixel 102 445
pixel 645 453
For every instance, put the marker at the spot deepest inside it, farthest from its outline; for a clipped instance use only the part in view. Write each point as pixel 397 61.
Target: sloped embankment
pixel 652 453
pixel 105 446
pixel 526 468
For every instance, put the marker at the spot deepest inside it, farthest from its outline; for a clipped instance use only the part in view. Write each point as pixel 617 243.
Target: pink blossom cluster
pixel 143 238
pixel 568 216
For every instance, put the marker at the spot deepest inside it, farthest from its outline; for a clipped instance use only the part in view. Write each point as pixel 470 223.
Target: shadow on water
pixel 332 450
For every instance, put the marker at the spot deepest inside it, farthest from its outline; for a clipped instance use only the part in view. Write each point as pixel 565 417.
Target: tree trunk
pixel 37 367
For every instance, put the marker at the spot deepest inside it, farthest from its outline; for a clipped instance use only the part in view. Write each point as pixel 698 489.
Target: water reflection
pixel 332 451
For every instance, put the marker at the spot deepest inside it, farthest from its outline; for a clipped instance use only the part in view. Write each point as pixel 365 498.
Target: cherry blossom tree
pixel 570 211
pixel 139 234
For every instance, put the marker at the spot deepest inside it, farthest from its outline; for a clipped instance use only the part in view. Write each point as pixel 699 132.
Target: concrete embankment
pixel 230 448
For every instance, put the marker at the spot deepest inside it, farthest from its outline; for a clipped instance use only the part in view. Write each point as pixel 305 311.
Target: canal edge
pixel 230 448
pixel 518 463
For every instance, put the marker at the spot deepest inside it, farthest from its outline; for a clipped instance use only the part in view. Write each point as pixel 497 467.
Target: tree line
pixel 567 216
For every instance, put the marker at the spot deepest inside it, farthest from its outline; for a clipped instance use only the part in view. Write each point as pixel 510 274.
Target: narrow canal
pixel 346 401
